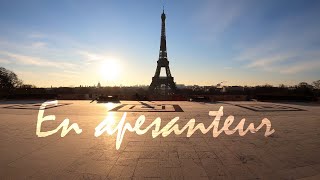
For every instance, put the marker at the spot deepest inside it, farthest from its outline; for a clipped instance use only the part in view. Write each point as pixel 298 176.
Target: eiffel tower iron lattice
pixel 160 82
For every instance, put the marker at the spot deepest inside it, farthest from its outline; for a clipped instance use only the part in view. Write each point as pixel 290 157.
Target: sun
pixel 110 70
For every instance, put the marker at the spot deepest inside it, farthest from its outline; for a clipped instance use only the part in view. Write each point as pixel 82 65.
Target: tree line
pixel 11 84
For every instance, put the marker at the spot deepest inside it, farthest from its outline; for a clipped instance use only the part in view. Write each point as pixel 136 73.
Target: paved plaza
pixel 291 152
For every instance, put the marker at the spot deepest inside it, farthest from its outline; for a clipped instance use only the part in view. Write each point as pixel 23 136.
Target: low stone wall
pixel 73 97
pixel 213 98
pixel 228 98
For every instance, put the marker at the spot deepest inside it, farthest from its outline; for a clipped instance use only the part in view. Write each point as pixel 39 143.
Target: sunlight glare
pixel 110 70
pixel 109 105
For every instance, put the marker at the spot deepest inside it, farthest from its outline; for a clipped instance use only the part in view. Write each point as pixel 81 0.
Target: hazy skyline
pixel 243 42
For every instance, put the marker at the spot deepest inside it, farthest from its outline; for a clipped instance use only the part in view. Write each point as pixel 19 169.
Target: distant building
pixel 181 86
pixel 99 85
pixel 232 89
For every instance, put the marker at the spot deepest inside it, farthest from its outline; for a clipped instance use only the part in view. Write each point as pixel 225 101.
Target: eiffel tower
pixel 160 83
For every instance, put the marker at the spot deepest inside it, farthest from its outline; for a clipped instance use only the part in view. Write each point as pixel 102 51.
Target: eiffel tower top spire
pixel 163 42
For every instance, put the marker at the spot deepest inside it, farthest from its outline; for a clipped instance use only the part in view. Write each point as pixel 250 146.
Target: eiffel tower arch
pixel 163 85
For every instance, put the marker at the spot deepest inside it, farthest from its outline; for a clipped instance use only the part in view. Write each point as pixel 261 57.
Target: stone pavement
pixel 292 152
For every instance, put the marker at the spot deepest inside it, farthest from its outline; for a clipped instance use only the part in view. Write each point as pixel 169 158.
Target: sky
pixel 241 42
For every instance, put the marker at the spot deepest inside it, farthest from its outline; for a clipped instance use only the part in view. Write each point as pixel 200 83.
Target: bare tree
pixel 316 84
pixel 27 86
pixel 8 79
pixel 282 86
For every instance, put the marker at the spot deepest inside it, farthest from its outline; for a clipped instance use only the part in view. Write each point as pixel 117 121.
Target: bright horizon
pixel 245 42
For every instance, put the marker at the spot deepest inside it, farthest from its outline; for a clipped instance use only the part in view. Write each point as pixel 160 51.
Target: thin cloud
pixel 62 75
pixel 38 45
pixel 71 72
pixel 288 50
pixel 270 60
pixel 36 35
pixel 36 61
pixel 35 46
pixel 91 57
pixel 285 63
pixel 288 45
pixel 217 16
pixel 4 61
pixel 227 68
pixel 302 67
